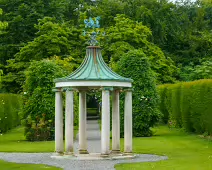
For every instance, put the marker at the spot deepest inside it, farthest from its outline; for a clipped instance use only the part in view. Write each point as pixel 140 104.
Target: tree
pixel 53 39
pixel 3 25
pixel 195 72
pixel 21 17
pixel 1 73
pixel 127 35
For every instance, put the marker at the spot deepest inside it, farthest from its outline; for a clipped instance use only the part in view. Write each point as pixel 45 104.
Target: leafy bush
pixel 39 107
pixel 196 72
pixel 10 105
pixel 190 105
pixel 135 65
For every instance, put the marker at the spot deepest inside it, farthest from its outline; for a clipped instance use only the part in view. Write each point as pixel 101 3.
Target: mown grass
pixel 14 166
pixel 14 141
pixel 185 151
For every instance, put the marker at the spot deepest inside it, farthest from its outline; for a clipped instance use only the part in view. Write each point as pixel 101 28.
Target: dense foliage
pixel 128 35
pixel 180 34
pixel 38 110
pixel 145 99
pixel 175 38
pixel 10 106
pixel 188 105
pixel 200 71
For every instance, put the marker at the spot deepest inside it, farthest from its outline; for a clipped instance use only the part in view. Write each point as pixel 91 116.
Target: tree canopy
pixel 173 36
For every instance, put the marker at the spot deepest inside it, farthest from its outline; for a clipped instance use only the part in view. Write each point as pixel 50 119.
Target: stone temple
pixel 93 74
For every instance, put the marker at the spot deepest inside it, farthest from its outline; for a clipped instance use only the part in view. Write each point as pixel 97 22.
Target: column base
pixel 83 152
pixel 58 154
pixel 115 152
pixel 127 153
pixel 104 155
pixel 69 153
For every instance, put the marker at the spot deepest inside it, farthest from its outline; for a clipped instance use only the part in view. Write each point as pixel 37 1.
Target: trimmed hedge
pixel 10 105
pixel 188 105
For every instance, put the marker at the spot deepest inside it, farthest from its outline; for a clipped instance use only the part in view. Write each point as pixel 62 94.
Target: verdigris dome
pixel 93 72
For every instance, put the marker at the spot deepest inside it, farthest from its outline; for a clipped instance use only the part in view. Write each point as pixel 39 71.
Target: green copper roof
pixel 94 68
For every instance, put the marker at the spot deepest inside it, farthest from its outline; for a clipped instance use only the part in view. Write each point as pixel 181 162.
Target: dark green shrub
pixel 190 105
pixel 39 107
pixel 10 106
pixel 135 65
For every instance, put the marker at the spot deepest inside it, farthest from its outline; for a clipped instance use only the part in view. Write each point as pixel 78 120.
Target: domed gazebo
pixel 93 74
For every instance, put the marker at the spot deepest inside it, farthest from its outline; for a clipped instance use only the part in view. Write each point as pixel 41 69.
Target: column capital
pixel 107 88
pixel 81 91
pixel 117 89
pixel 57 89
pixel 68 89
pixel 128 90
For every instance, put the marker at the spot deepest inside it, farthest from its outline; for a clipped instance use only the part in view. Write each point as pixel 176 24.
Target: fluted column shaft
pixel 82 123
pixel 128 122
pixel 69 121
pixel 105 131
pixel 59 146
pixel 115 122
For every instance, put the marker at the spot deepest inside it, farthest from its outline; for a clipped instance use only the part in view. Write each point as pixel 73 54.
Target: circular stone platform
pixel 95 156
pixel 74 164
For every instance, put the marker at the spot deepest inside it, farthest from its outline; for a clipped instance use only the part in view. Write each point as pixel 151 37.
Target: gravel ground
pixel 67 164
pixel 94 146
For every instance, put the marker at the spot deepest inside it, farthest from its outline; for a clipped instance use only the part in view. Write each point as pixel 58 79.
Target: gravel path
pixel 93 137
pixel 68 164
pixel 94 146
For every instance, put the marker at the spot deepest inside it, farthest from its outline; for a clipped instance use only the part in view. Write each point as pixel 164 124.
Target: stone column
pixel 59 147
pixel 69 121
pixel 115 122
pixel 105 131
pixel 82 123
pixel 128 122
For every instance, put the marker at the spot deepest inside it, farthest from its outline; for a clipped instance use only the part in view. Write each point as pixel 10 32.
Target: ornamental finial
pixel 92 25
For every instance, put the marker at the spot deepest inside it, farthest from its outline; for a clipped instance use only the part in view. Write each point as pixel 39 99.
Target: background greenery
pixel 10 107
pixel 175 38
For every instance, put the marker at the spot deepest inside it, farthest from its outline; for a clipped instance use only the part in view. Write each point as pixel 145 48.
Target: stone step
pixel 93 117
pixel 92 126
pixel 93 130
pixel 91 135
pixel 94 146
pixel 92 122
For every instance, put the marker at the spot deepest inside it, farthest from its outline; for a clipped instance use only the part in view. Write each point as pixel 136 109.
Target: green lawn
pixel 15 166
pixel 185 152
pixel 14 141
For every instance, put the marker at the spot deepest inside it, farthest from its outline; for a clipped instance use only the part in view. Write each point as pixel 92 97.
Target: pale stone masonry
pixel 93 74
